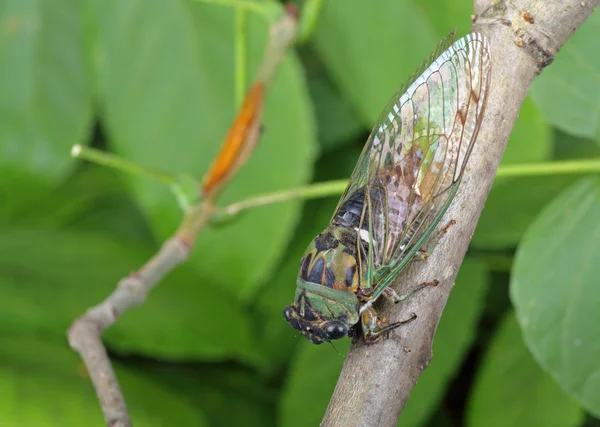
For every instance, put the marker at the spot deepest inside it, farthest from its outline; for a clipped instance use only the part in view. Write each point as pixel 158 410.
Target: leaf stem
pixel 115 162
pixel 267 9
pixel 550 168
pixel 314 191
pixel 334 188
pixel 241 55
pixel 308 19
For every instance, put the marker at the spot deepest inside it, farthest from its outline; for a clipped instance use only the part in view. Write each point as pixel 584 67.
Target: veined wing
pixel 416 155
pixel 360 175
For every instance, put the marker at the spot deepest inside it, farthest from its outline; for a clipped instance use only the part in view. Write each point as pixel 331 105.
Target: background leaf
pixel 512 390
pixel 30 371
pixel 228 395
pixel 45 100
pixel 555 293
pixel 337 121
pixel 153 81
pixel 78 270
pixel 169 102
pixel 568 92
pixel 443 15
pixel 311 382
pixel 354 39
pixel 513 203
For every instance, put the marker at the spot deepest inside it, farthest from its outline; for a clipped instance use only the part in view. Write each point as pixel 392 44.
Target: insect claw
pixel 391 295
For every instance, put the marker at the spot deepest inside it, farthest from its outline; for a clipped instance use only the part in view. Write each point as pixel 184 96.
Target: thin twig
pixel 115 162
pixel 308 21
pixel 245 132
pixel 377 380
pixel 563 167
pixel 337 187
pixel 313 191
pixel 241 55
pixel 84 335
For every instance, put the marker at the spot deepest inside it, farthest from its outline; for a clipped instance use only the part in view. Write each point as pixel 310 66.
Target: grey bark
pixel 376 380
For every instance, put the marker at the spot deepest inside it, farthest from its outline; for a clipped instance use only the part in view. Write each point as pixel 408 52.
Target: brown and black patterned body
pixel 331 259
pixel 401 187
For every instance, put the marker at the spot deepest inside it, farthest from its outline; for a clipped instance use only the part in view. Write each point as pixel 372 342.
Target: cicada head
pixel 322 314
pixel 326 306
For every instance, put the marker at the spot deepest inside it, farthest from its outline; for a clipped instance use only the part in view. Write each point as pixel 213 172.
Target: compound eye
pixel 336 330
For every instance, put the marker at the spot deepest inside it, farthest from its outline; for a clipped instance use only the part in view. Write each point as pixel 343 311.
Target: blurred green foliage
pixel 153 81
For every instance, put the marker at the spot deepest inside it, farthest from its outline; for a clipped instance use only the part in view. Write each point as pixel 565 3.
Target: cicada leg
pixel 392 296
pixel 373 328
pixel 423 253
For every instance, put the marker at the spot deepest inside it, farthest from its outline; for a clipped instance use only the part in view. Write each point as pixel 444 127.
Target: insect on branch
pixel 376 381
pixel 85 333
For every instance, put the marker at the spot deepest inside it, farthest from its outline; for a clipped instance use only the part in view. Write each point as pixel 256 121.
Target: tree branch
pixel 377 379
pixel 85 333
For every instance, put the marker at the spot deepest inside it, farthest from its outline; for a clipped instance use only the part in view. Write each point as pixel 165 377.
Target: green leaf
pixel 512 390
pixel 43 385
pixel 568 92
pixel 336 120
pixel 453 339
pixel 166 81
pixel 554 289
pixel 228 394
pixel 502 224
pixel 511 209
pixel 93 198
pixel 569 147
pixel 45 102
pixel 371 49
pixel 531 139
pixel 304 403
pixel 179 320
pixel 448 14
pixel 311 382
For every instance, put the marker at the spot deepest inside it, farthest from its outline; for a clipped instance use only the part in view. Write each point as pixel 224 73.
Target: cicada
pixel 404 181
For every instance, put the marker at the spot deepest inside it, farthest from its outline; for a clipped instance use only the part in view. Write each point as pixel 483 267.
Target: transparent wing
pixel 360 175
pixel 417 152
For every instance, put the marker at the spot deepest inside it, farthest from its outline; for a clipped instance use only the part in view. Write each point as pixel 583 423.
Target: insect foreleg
pixel 373 328
pixel 417 288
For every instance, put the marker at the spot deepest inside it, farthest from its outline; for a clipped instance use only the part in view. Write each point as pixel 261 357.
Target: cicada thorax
pixel 332 258
pixel 331 261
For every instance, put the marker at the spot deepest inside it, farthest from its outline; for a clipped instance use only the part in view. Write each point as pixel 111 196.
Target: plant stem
pixel 334 188
pixel 85 333
pixel 113 161
pixel 241 55
pixel 308 19
pixel 314 191
pixel 267 9
pixel 550 168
